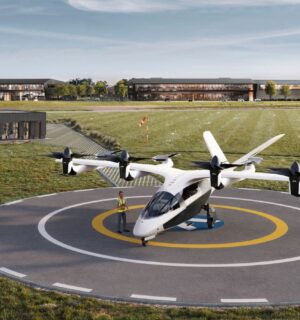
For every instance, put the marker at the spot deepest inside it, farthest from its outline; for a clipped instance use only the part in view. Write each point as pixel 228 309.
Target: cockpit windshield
pixel 161 203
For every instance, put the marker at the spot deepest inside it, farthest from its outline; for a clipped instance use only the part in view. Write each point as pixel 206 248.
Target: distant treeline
pixel 84 88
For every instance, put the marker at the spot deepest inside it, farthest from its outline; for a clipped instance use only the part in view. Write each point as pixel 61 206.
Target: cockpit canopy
pixel 161 203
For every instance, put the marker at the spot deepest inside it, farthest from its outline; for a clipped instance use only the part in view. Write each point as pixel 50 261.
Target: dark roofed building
pixel 28 89
pixel 22 125
pixel 156 89
pixel 190 81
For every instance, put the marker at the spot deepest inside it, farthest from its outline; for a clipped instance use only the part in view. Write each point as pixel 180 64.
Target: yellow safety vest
pixel 120 203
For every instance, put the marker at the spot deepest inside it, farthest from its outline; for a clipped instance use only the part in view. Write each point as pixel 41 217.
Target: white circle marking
pixel 46 235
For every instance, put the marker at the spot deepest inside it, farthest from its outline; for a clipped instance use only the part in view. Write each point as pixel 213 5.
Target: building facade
pixel 22 125
pixel 221 89
pixel 294 87
pixel 28 89
pixel 157 89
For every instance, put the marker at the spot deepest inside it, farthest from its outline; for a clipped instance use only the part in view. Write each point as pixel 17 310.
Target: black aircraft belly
pixel 190 211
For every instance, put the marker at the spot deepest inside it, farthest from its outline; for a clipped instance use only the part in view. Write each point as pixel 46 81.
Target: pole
pixel 147 133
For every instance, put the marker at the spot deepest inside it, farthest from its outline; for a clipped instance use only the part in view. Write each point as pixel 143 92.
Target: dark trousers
pixel 121 216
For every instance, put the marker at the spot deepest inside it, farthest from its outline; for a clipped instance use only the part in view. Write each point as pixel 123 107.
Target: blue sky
pixel 113 39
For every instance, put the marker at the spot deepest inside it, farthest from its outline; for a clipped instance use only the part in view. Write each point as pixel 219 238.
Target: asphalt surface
pixel 49 241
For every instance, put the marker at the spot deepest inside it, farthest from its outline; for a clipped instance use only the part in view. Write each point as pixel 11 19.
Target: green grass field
pixel 25 173
pixel 237 131
pixel 91 105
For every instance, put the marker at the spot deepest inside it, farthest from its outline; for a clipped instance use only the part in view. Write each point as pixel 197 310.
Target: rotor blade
pixel 81 155
pixel 259 149
pixel 115 151
pixel 202 165
pixel 282 171
pixel 111 158
pixel 164 157
pixel 136 159
pixel 55 155
pixel 105 153
pixel 231 165
pixel 213 147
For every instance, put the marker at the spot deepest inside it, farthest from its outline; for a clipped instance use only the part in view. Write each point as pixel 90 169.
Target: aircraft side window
pixel 189 191
pixel 175 203
pixel 159 205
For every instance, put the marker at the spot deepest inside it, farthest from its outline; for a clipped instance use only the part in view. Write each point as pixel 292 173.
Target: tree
pixel 62 90
pixel 90 89
pixel 79 81
pixel 270 88
pixel 72 90
pixel 82 89
pixel 285 90
pixel 121 89
pixel 75 82
pixel 101 88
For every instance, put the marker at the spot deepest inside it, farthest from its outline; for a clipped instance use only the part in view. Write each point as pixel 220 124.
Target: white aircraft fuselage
pixel 184 193
pixel 174 204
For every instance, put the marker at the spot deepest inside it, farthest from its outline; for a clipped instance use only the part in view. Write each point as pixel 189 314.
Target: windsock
pixel 143 121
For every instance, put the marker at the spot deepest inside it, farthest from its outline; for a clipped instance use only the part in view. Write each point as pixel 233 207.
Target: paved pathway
pixel 61 135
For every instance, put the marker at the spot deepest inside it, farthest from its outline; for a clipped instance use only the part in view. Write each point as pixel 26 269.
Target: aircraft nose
pixel 142 229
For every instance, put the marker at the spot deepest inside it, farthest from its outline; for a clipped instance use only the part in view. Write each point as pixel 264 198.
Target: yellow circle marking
pixel 281 229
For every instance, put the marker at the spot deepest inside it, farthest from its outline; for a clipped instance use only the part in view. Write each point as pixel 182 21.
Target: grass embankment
pixel 21 302
pixel 97 105
pixel 24 173
pixel 237 131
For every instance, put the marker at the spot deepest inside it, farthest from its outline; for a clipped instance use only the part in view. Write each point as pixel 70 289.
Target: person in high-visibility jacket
pixel 122 206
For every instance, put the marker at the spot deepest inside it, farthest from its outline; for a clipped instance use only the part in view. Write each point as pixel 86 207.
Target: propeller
pixel 293 173
pixel 119 156
pixel 123 158
pixel 216 164
pixel 66 154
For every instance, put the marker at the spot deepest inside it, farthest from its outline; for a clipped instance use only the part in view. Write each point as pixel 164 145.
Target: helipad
pixel 69 242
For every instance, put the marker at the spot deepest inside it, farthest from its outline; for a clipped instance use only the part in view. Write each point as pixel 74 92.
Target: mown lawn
pixel 237 131
pixel 91 105
pixel 24 173
pixel 19 302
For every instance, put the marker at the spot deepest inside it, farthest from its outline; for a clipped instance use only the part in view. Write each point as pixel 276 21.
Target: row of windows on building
pixel 192 96
pixel 21 86
pixel 21 130
pixel 24 95
pixel 173 87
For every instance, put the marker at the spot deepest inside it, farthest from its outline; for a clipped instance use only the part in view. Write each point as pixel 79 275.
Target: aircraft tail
pixel 215 150
pixel 259 149
pixel 213 147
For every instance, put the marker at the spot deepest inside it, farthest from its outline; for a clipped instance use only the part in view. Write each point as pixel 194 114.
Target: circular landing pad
pixel 69 242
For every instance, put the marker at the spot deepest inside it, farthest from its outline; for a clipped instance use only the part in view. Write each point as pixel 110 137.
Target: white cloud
pixel 59 36
pixel 14 9
pixel 135 6
pixel 247 39
pixel 125 5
